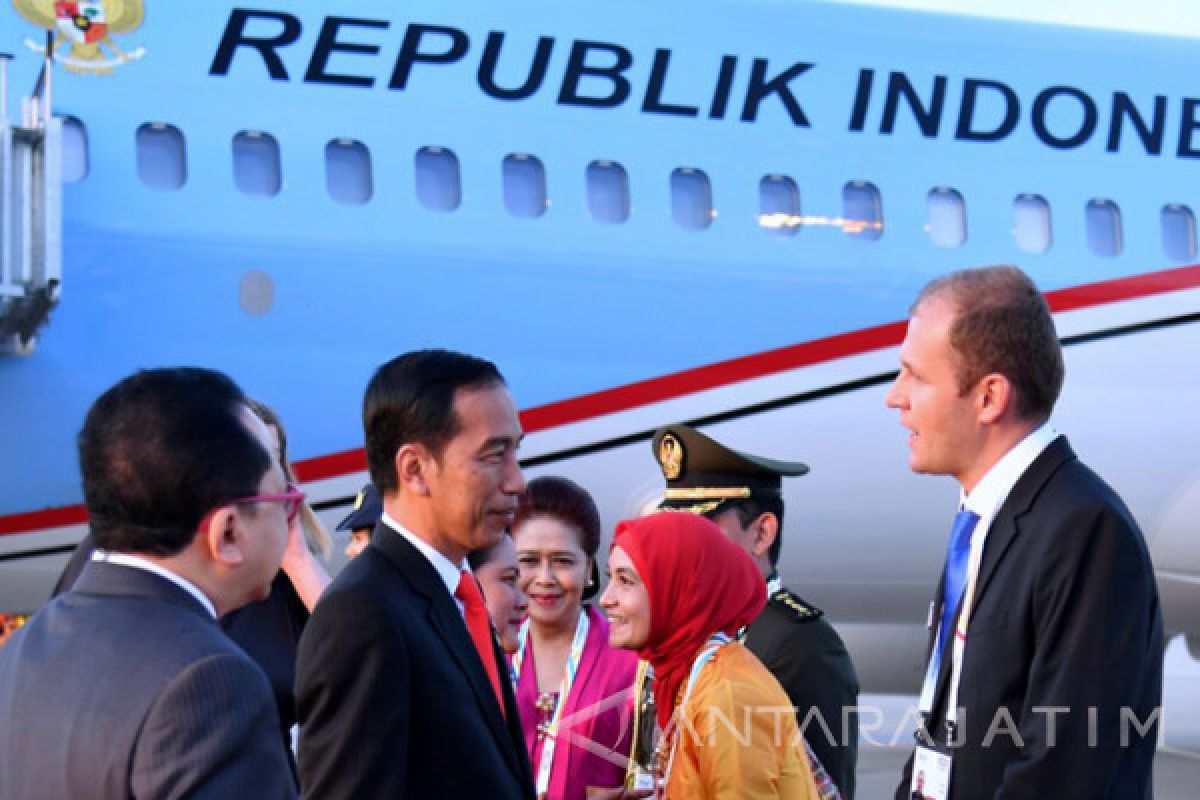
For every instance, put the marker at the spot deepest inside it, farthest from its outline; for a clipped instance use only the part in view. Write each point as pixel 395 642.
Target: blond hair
pixel 315 535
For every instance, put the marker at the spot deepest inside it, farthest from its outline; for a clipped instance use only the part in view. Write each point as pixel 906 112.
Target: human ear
pixel 413 461
pixel 222 537
pixel 995 396
pixel 765 529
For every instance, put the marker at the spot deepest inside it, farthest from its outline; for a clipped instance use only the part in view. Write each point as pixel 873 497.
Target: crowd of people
pixel 474 647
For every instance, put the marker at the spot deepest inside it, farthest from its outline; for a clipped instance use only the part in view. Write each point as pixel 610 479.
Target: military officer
pixel 361 521
pixel 743 495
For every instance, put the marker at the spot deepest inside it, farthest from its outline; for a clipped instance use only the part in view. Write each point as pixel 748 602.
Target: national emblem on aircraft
pixel 85 28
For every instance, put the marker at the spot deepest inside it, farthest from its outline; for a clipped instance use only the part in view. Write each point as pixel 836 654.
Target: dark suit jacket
pixel 125 687
pixel 268 630
pixel 392 697
pixel 1066 614
pixel 805 654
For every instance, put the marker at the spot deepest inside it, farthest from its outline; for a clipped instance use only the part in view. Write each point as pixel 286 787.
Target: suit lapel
pixel 1001 535
pixel 447 622
pixel 1005 526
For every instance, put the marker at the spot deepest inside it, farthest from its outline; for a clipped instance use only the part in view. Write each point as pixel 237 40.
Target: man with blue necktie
pixel 1044 676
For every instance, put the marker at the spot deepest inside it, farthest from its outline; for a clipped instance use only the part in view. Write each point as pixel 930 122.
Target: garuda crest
pixel 83 31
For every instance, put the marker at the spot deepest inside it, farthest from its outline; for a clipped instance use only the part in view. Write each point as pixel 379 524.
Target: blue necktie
pixel 958 552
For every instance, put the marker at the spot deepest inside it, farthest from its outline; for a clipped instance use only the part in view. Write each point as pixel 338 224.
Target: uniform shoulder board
pixel 792 603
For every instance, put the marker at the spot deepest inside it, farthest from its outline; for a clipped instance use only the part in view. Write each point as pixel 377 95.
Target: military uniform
pixel 805 654
pixel 368 508
pixel 791 637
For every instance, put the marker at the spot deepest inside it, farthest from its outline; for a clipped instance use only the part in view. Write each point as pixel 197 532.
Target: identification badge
pixel 642 770
pixel 640 780
pixel 930 774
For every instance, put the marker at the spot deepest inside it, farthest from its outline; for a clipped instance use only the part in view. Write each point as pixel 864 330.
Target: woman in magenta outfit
pixel 574 692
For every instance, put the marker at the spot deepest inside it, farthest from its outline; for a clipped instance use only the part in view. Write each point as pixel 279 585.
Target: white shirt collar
pixel 447 570
pixel 991 492
pixel 137 562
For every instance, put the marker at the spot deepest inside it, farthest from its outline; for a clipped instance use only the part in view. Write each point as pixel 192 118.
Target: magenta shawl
pixel 597 721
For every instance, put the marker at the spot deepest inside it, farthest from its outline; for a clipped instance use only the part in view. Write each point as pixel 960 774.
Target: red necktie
pixel 479 625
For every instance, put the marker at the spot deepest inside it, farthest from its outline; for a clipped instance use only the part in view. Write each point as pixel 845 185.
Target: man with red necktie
pixel 399 689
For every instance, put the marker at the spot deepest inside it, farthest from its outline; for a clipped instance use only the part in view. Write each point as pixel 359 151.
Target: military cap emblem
pixel 702 474
pixel 670 457
pixel 368 507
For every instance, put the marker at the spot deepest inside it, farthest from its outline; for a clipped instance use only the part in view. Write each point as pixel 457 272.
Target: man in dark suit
pixel 1045 668
pixel 743 494
pixel 125 686
pixel 401 688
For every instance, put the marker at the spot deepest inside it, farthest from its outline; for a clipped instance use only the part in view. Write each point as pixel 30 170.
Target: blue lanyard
pixel 715 643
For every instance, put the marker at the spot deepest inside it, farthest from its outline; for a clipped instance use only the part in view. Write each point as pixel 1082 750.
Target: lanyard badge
pixel 931 773
pixel 641 772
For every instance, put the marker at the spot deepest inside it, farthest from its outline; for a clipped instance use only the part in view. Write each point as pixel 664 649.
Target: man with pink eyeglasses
pixel 125 687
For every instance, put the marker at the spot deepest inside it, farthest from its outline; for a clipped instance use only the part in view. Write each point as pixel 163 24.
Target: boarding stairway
pixel 30 215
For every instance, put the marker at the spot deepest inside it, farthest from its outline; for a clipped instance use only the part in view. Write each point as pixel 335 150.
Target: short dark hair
pixel 1002 324
pixel 751 509
pixel 569 503
pixel 411 399
pixel 160 450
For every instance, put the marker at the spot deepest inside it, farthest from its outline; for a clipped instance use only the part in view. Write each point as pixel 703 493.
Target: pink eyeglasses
pixel 291 499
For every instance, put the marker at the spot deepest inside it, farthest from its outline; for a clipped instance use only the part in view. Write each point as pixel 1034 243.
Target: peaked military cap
pixel 368 508
pixel 702 473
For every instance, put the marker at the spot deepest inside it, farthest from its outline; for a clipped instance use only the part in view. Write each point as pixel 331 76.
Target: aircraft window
pixel 439 182
pixel 947 217
pixel 348 171
pixel 1031 223
pixel 1104 228
pixel 607 192
pixel 524 185
pixel 779 204
pixel 1179 232
pixel 862 210
pixel 161 156
pixel 256 163
pixel 691 199
pixel 74 151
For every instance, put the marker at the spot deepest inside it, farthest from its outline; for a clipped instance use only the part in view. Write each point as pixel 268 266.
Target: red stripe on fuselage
pixel 29 521
pixel 678 384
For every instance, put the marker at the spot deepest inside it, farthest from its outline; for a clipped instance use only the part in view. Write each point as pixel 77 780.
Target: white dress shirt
pixel 446 570
pixel 985 500
pixel 137 562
